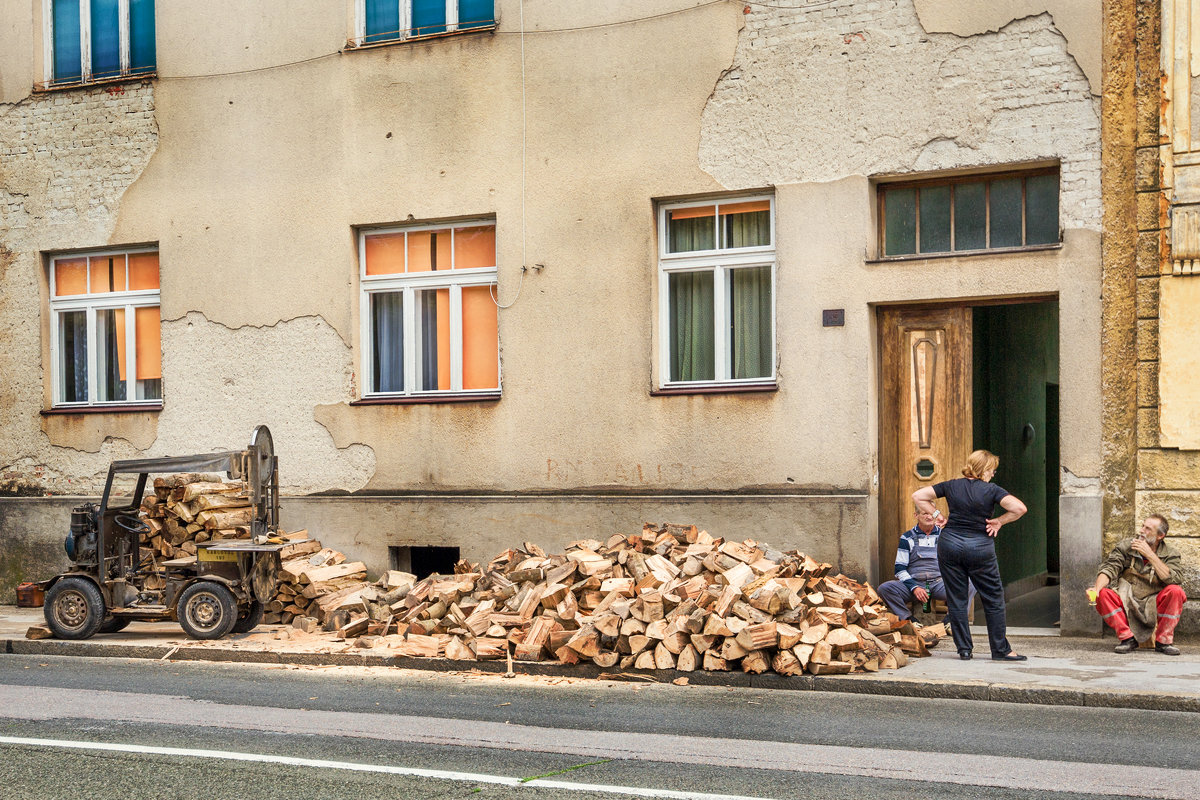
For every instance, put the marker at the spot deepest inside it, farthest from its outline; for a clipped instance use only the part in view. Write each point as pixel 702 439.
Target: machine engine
pixel 81 541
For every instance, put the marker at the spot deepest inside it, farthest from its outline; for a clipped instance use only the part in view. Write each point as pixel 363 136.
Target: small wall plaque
pixel 833 317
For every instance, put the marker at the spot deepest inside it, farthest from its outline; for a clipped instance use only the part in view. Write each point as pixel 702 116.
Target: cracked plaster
pixel 862 88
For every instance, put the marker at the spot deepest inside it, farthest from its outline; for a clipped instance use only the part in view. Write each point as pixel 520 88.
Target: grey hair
pixel 1163 525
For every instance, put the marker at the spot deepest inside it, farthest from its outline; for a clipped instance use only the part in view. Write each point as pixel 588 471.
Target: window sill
pixel 352 46
pixel 427 399
pixel 140 408
pixel 740 388
pixel 1037 248
pixel 66 87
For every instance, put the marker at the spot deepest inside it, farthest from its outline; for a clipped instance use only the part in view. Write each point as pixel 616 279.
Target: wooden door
pixel 925 411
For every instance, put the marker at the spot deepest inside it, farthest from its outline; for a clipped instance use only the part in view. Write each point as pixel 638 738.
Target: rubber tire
pixel 206 610
pixel 113 624
pixel 249 620
pixel 78 595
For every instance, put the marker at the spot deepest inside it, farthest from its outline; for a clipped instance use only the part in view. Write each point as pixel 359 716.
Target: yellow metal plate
pixel 204 554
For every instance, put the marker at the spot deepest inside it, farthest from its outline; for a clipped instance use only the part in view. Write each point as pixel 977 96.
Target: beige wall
pixel 253 185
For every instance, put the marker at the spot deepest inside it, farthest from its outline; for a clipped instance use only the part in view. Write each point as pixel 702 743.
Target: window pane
pixel 690 229
pixel 750 322
pixel 691 322
pixel 428 16
pixel 428 250
pixel 72 355
pixel 383 20
pixel 475 247
pixel 387 342
pixel 143 271
pixel 70 276
pixel 475 13
pixel 110 355
pixel 108 273
pixel 746 224
pixel 481 359
pixel 106 39
pixel 67 59
pixel 433 335
pixel 1041 209
pixel 900 222
pixel 935 219
pixel 1005 208
pixel 384 253
pixel 970 216
pixel 142 54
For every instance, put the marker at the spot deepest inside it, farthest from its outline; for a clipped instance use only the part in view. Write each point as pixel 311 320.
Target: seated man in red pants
pixel 1144 571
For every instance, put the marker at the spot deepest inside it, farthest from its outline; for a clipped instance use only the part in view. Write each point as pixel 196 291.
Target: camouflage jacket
pixel 1138 571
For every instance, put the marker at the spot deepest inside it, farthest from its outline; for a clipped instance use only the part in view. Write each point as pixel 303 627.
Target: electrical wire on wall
pixel 494 289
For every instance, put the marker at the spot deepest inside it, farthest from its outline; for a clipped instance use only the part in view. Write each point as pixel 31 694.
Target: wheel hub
pixel 71 609
pixel 205 610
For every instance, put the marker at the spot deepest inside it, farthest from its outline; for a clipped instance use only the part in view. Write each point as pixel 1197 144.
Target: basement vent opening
pixel 424 561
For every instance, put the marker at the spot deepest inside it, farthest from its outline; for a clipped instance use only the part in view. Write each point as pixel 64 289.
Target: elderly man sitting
pixel 1148 597
pixel 916 568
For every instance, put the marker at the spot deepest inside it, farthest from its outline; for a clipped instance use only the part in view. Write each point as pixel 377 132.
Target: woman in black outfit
pixel 967 549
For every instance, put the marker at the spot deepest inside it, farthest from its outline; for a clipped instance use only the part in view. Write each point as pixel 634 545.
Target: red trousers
pixel 1169 602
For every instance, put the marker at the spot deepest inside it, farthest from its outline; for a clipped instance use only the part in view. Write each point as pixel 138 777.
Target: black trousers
pixel 973 558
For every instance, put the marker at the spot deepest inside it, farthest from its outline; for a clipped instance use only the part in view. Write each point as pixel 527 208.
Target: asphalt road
pixel 75 727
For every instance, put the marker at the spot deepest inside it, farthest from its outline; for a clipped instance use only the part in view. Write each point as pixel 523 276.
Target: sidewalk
pixel 1060 670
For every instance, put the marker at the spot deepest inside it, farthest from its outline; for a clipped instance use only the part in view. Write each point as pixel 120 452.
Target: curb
pixel 863 684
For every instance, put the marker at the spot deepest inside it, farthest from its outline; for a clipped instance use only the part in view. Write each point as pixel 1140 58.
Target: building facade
pixel 496 272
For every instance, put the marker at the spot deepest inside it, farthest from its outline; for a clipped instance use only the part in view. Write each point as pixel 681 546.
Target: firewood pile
pixel 671 597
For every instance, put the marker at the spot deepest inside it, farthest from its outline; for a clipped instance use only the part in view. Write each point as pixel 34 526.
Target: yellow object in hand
pixel 1092 595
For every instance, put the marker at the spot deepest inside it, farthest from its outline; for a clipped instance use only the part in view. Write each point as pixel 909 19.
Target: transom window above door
pixel 971 214
pixel 716 292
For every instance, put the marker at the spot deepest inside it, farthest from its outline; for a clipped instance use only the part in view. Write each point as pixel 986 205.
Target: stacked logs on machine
pixel 672 597
pixel 189 509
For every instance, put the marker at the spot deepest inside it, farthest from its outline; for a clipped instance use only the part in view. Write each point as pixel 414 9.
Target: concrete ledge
pixel 872 684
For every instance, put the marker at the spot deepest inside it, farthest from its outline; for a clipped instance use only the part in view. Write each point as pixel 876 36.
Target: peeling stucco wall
pixel 1079 21
pixel 862 88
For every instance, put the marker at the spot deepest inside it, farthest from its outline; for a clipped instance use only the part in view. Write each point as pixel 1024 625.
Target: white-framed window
pixel 396 20
pixel 716 292
pixel 105 328
pixel 97 40
pixel 428 309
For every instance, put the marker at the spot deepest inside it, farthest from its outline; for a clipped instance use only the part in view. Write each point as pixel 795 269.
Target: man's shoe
pixel 1166 649
pixel 1126 646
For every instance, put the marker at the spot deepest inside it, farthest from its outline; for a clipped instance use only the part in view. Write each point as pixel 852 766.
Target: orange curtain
pixel 745 208
pixel 385 253
pixel 481 357
pixel 443 338
pixel 108 273
pixel 70 276
pixel 143 272
pixel 119 317
pixel 692 213
pixel 428 250
pixel 148 332
pixel 475 247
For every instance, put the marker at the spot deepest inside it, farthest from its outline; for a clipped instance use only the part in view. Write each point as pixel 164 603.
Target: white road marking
pixel 466 777
pixel 965 769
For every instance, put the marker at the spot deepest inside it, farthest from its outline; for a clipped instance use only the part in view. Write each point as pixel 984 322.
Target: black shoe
pixel 1166 649
pixel 1010 657
pixel 1126 646
pixel 965 655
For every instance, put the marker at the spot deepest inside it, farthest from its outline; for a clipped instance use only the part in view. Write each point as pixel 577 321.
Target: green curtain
pixel 692 326
pixel 694 233
pixel 751 229
pixel 750 322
